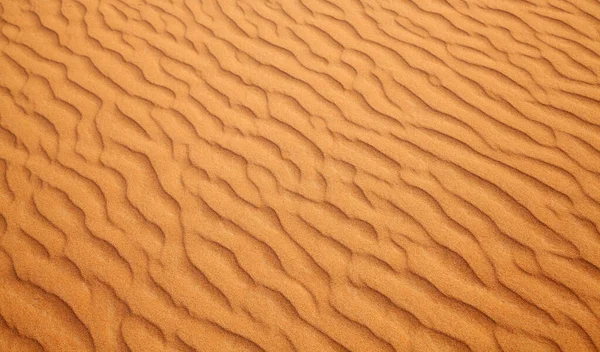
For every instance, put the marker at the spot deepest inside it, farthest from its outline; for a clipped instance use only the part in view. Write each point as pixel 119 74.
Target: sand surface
pixel 300 175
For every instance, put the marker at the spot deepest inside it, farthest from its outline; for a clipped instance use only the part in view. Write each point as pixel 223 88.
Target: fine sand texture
pixel 300 175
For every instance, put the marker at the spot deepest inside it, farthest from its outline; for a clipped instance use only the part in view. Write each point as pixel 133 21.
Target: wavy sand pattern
pixel 302 175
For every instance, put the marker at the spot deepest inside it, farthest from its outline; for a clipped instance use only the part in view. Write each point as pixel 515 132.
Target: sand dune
pixel 302 175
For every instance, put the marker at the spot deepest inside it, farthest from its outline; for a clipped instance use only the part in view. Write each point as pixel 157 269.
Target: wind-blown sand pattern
pixel 302 175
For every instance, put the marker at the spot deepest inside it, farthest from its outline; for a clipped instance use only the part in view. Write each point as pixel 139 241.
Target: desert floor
pixel 300 175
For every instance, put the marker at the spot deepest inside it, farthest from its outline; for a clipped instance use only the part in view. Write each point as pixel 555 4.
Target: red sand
pixel 302 175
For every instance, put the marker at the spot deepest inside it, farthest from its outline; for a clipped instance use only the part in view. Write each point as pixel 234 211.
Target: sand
pixel 302 175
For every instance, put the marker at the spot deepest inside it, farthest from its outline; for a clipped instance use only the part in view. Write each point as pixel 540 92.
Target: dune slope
pixel 300 175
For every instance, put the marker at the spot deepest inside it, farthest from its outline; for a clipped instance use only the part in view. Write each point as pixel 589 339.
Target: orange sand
pixel 300 175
